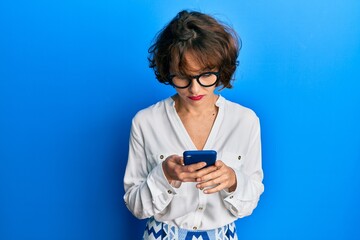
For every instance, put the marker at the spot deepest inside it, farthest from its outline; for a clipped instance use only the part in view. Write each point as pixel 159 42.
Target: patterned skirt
pixel 155 230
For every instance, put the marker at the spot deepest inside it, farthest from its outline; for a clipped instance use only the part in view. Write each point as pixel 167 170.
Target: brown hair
pixel 211 43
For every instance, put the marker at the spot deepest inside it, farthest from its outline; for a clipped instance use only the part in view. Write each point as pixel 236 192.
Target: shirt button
pixel 169 192
pixel 239 157
pixel 194 228
pixel 161 156
pixel 231 197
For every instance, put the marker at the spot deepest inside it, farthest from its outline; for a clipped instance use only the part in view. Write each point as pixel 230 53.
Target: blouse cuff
pixel 240 202
pixel 162 192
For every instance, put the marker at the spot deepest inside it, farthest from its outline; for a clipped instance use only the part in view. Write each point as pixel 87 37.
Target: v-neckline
pixel 213 131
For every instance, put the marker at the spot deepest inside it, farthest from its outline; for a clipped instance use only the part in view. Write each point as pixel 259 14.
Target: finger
pixel 220 183
pixel 204 172
pixel 207 170
pixel 177 159
pixel 212 182
pixel 213 171
pixel 189 180
pixel 194 167
pixel 194 176
pixel 214 189
pixel 188 173
pixel 210 173
pixel 182 161
pixel 219 163
pixel 198 174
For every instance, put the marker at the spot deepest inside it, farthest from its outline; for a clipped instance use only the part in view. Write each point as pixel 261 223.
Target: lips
pixel 196 98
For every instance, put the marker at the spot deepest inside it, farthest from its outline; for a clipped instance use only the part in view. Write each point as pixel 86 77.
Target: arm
pixel 147 191
pixel 249 176
pixel 239 183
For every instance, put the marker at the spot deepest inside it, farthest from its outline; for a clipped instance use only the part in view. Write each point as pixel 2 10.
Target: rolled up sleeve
pixel 146 192
pixel 249 176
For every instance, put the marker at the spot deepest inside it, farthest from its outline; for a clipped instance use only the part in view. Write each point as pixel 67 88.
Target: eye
pixel 206 75
pixel 180 79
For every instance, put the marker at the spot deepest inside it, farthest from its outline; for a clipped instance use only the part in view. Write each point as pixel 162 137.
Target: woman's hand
pixel 222 178
pixel 175 170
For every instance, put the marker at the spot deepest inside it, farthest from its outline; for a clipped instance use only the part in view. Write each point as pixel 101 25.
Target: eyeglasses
pixel 206 79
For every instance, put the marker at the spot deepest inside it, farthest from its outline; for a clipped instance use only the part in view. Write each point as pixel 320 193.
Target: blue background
pixel 73 74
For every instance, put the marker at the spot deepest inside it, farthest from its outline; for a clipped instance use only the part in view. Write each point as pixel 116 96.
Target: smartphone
pixel 195 156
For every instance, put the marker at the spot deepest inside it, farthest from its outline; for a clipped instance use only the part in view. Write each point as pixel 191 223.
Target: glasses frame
pixel 197 77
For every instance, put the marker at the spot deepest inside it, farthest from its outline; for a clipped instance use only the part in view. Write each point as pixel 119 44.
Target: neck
pixel 198 109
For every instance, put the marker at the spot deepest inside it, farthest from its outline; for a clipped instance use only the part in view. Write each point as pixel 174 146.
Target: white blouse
pixel 157 132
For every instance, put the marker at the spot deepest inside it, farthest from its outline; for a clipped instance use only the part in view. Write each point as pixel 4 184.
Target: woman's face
pixel 196 94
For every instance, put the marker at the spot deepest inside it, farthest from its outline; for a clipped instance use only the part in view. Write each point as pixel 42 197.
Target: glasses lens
pixel 208 79
pixel 180 82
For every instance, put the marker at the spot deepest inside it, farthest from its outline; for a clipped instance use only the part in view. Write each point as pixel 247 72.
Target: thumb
pixel 176 159
pixel 219 164
pixel 179 160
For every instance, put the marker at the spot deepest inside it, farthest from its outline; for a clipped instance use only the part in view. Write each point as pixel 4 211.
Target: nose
pixel 194 87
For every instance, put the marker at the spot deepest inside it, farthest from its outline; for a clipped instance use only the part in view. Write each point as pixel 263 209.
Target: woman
pixel 195 54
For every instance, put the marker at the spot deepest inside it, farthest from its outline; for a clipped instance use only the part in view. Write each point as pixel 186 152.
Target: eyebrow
pixel 198 72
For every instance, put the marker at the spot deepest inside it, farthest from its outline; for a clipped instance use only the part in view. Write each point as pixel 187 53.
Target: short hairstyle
pixel 212 44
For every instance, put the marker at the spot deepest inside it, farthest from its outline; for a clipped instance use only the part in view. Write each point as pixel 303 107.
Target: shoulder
pixel 152 113
pixel 236 110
